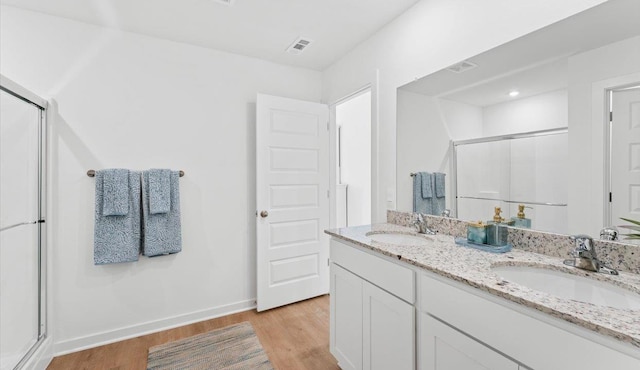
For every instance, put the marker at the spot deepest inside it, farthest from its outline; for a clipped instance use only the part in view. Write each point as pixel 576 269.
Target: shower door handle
pixel 21 224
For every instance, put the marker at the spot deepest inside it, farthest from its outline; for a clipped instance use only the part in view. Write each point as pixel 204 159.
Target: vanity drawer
pixel 386 274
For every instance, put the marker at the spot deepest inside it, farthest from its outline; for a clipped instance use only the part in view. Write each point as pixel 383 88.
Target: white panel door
pixel 292 179
pixel 388 331
pixel 625 156
pixel 445 348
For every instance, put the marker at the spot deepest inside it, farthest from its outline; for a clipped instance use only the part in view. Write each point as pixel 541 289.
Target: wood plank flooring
pixel 294 336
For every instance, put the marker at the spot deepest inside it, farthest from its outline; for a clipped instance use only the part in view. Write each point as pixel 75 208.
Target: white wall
pixel 428 37
pixel 539 112
pixel 125 100
pixel 464 121
pixel 354 118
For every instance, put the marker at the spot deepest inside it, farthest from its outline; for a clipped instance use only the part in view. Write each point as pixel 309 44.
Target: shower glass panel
pixel 20 235
pixel 528 168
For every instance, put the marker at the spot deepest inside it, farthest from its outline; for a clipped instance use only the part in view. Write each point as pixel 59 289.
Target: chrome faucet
pixel 421 225
pixel 585 257
pixel 609 233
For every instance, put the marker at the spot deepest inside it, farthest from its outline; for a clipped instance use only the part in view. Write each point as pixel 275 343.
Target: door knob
pixel 264 214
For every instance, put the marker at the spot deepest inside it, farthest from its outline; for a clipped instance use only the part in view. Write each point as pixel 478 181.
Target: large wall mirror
pixel 528 123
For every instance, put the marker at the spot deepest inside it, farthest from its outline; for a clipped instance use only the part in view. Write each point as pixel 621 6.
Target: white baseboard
pixel 128 332
pixel 42 357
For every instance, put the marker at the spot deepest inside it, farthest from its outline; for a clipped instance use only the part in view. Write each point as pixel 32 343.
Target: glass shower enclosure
pixel 22 230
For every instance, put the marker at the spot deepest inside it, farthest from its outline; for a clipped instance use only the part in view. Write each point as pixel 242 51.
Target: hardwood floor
pixel 294 336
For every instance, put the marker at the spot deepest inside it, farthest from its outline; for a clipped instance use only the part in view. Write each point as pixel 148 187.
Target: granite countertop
pixel 473 267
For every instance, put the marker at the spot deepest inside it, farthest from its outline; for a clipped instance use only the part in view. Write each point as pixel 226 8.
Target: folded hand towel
pixel 115 192
pixel 440 200
pixel 117 238
pixel 159 191
pixel 427 188
pixel 440 186
pixel 421 204
pixel 162 231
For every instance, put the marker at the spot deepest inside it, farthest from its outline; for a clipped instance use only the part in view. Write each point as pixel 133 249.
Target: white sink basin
pixel 400 239
pixel 569 286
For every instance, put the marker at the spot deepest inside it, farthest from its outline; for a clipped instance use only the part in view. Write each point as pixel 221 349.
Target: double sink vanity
pixel 404 300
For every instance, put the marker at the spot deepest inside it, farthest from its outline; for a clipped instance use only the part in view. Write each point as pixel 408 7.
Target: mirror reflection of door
pixel 353 157
pixel 625 154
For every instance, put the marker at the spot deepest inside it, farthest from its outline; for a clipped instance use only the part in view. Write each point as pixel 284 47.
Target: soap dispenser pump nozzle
pixel 496 217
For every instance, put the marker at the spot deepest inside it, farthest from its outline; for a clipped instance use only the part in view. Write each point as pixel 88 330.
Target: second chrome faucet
pixel 421 225
pixel 585 257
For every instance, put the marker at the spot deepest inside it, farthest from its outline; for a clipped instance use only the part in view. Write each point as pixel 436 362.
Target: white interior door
pixel 292 179
pixel 625 155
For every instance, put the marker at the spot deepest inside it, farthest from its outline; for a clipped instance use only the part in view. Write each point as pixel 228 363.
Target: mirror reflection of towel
pixel 440 186
pixel 422 185
pixel 427 184
pixel 440 200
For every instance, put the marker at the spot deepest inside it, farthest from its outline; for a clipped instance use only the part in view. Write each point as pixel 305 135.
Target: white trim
pixel 132 331
pixel 355 94
pixel 25 93
pixel 372 88
pixel 333 180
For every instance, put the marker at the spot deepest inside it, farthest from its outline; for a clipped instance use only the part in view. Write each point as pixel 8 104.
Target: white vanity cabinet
pixel 372 313
pixel 445 348
pixel 388 314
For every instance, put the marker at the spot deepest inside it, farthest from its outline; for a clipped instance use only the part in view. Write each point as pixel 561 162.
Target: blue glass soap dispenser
pixel 497 231
pixel 521 220
pixel 477 232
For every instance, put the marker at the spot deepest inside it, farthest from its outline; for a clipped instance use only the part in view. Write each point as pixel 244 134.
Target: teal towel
pixel 421 204
pixel 117 238
pixel 439 184
pixel 115 192
pixel 440 200
pixel 159 191
pixel 162 231
pixel 427 185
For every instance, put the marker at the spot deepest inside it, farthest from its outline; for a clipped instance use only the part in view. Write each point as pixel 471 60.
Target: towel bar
pixel 92 173
pixel 413 174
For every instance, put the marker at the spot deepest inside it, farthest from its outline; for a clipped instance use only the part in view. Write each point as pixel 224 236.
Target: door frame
pixel 601 130
pixel 333 181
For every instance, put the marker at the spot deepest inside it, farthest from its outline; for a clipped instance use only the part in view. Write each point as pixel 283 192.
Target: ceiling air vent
pixel 462 67
pixel 225 2
pixel 299 45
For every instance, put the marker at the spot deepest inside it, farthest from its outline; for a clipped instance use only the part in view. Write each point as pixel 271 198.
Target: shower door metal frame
pixel 453 154
pixel 27 96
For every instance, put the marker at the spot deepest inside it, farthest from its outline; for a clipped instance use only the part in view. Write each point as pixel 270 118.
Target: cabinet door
pixel 445 348
pixel 389 331
pixel 346 318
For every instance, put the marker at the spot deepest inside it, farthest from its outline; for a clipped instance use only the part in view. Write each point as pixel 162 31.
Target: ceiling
pixel 535 63
pixel 257 28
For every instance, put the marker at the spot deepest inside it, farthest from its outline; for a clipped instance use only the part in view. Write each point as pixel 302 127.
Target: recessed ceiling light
pixel 514 93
